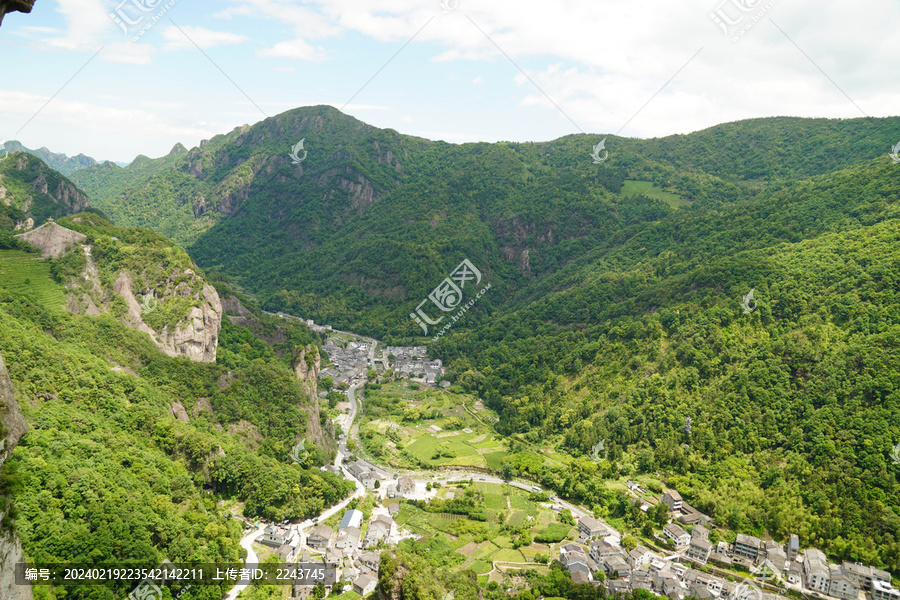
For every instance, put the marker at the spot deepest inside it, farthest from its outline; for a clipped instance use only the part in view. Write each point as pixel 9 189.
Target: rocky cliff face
pixel 12 428
pixel 52 239
pixel 195 336
pixel 307 365
pixel 156 288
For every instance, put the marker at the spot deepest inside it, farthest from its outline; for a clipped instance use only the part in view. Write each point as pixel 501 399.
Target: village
pixel 685 573
pixel 352 547
pixel 693 566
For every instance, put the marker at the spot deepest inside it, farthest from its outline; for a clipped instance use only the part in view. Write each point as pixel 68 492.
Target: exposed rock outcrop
pixel 307 365
pixel 196 336
pixel 12 428
pixel 52 239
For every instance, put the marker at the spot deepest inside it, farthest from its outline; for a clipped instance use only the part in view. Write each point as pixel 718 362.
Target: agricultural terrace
pixel 28 274
pixel 408 425
pixel 487 527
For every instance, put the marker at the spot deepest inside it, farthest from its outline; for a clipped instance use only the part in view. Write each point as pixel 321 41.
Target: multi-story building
pixel 600 549
pixel 673 499
pixel 615 566
pixel 679 536
pixel 841 585
pixel 699 550
pixel 590 527
pixel 792 548
pixel 319 536
pixel 816 573
pixel 884 591
pixel 747 546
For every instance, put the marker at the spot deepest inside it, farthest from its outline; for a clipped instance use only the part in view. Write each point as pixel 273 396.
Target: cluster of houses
pixel 354 553
pixel 410 362
pixel 640 568
pixel 388 486
pixel 349 364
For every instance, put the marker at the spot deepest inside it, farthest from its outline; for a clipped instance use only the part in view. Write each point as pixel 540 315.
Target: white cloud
pixel 87 23
pixel 296 49
pixel 185 36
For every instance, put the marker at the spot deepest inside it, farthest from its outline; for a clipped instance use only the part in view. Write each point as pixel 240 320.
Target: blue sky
pixel 603 64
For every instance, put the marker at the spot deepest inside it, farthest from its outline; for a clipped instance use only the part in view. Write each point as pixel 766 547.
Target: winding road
pixel 360 491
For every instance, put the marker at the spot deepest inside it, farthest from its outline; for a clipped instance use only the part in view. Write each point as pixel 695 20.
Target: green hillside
pixel 31 189
pixel 27 274
pixel 135 456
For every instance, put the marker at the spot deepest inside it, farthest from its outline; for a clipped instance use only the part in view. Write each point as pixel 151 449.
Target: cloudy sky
pixel 114 79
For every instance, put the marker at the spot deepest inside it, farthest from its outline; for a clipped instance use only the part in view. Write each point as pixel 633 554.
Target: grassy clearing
pixel 27 274
pixel 632 188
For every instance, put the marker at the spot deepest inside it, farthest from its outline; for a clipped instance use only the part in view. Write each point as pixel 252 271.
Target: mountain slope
pixel 58 162
pixel 361 231
pixel 615 304
pixel 31 192
pixel 126 446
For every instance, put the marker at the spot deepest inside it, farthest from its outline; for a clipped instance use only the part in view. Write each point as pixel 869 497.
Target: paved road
pixel 252 558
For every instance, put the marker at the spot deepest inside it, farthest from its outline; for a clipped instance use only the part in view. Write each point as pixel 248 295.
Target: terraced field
pixel 433 426
pixel 27 274
pixel 486 544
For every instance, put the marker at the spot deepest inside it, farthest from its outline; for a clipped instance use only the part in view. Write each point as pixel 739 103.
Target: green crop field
pixel 632 188
pixel 405 416
pixel 27 274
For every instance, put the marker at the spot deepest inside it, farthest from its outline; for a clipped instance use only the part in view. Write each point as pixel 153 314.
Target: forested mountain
pixel 616 288
pixel 58 162
pixel 371 220
pixel 31 192
pixel 129 450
